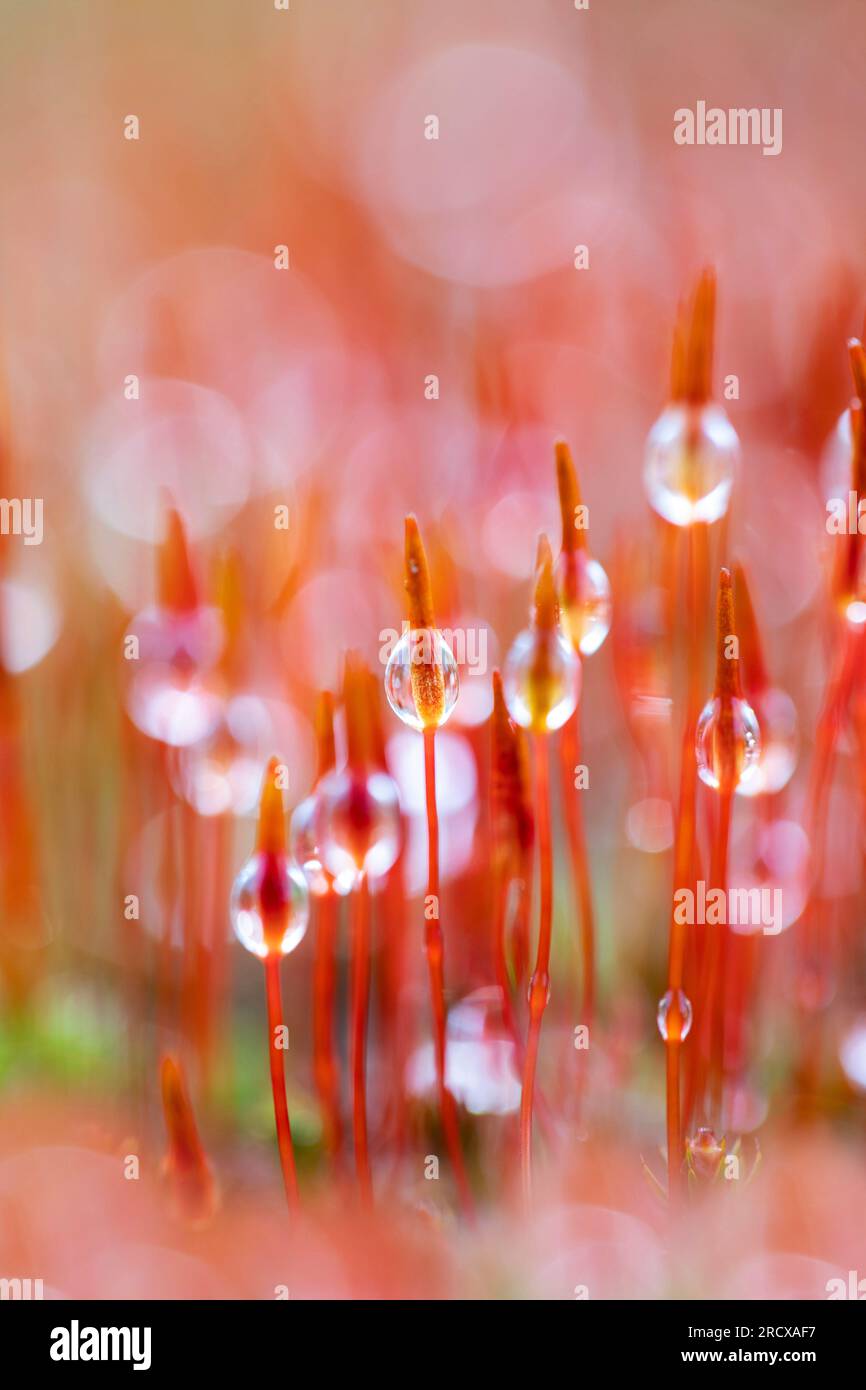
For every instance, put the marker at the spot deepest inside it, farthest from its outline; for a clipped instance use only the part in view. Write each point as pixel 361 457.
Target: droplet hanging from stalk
pixel 542 682
pixel 674 1016
pixel 774 709
pixel 585 611
pixel 692 450
pixel 727 747
pixel 422 688
pixel 849 582
pixel 304 844
pixel 306 823
pixel 172 645
pixel 542 672
pixel 357 825
pixel 727 740
pixel 582 584
pixel 270 910
pixel 421 678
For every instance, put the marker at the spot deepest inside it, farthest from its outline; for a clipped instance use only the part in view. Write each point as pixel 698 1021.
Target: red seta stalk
pixel 325 1069
pixel 324 990
pixel 512 832
pixel 709 1065
pixel 571 571
pixel 727 754
pixel 684 852
pixel 434 949
pixel 539 987
pixel 541 686
pixel 428 693
pixel 274 907
pixel 570 757
pixel 276 1057
pixel 360 990
pixel 690 384
pixel 356 698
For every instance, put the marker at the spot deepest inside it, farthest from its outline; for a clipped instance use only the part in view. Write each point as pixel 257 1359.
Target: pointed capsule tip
pixel 356 708
pixel 170 1077
pixel 326 756
pixel 727 659
pixel 500 714
pixel 546 605
pixel 176 582
pixel 543 551
pixel 569 497
pixel 693 343
pixel 272 824
pixel 417 577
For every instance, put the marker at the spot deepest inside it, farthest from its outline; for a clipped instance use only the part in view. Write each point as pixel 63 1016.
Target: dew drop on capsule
pixel 779 744
pixel 357 826
pixel 585 602
pixel 172 707
pixel 270 905
pixel 304 845
pixel 541 679
pixel 674 1017
pixel 691 459
pixel 417 649
pixel 711 747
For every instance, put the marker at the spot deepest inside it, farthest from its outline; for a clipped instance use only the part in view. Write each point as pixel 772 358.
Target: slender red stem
pixel 278 1079
pixel 501 886
pixel 712 1000
pixel 579 864
pixel 501 889
pixel 519 934
pixel 360 1006
pixel 539 985
pixel 685 839
pixel 674 1125
pixel 325 1069
pixel 435 952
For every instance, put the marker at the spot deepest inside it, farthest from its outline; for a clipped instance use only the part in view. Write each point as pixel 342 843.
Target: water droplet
pixel 219 776
pixel 706 1152
pixel 304 846
pixel 852 1054
pixel 541 678
pixel 270 905
pixel 357 825
pixel 419 655
pixel 482 1068
pixel 713 747
pixel 188 641
pixel 172 707
pixel 585 603
pixel 168 697
pixel 691 460
pixel 777 721
pixel 674 1016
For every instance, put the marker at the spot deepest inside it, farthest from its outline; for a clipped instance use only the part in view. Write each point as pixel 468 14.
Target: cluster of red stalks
pixel 712 974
